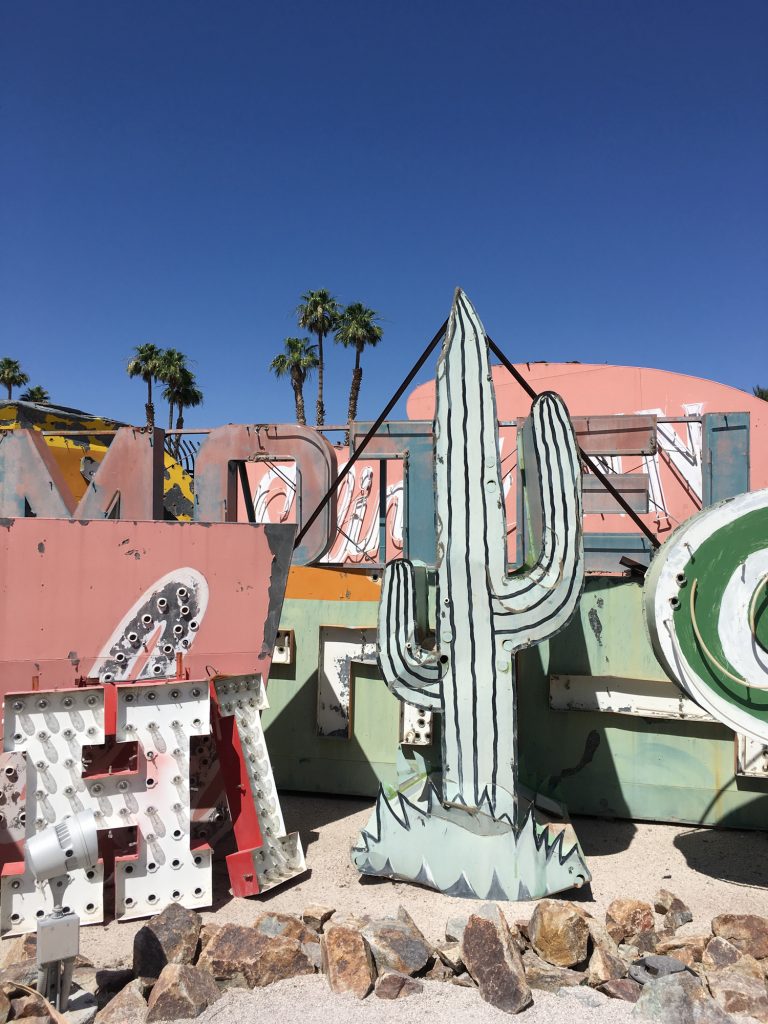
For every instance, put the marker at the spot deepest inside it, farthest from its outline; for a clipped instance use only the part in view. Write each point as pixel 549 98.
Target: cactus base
pixel 466 852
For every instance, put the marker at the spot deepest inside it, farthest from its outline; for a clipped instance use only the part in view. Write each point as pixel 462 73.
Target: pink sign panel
pixel 116 600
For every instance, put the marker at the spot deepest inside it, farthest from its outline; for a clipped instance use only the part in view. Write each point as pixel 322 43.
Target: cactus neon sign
pixel 470 841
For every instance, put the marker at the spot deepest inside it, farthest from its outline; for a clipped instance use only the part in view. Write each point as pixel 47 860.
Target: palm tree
pixel 172 365
pixel 183 393
pixel 11 375
pixel 145 364
pixel 759 392
pixel 318 312
pixel 357 328
pixel 298 360
pixel 36 394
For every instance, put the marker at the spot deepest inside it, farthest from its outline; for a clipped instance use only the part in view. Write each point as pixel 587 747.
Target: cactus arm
pixel 412 673
pixel 531 606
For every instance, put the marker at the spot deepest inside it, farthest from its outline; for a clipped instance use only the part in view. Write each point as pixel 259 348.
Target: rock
pixel 347 961
pixel 522 926
pixel 24 973
pixel 678 999
pixel 437 972
pixel 315 916
pixel 82 1007
pixel 207 932
pixel 675 912
pixel 5 1007
pixel 454 927
pixel 600 936
pixel 740 988
pixel 720 953
pixel 626 918
pixel 677 917
pixel 687 957
pixel 464 980
pixel 450 954
pixel 290 927
pixel 17 949
pixel 393 985
pixel 622 988
pixel 112 981
pixel 494 962
pixel 397 945
pixel 85 978
pixel 628 953
pixel 648 941
pixel 696 944
pixel 604 966
pixel 238 956
pixel 169 938
pixel 648 968
pixel 747 932
pixel 546 977
pixel 28 1006
pixel 559 933
pixel 182 991
pixel 128 1005
pixel 663 900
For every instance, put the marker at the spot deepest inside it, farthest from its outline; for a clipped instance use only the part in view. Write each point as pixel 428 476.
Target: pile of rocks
pixel 181 966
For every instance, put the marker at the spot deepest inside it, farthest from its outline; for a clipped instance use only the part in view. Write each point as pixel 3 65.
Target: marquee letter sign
pixel 466 840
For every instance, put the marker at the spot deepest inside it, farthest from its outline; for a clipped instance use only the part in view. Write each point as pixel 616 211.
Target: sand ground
pixel 713 871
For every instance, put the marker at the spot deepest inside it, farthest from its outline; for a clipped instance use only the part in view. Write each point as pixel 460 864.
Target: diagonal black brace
pixel 587 459
pixel 371 433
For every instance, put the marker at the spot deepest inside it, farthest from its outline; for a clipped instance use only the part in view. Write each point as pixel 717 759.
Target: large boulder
pixel 741 988
pixel 548 978
pixel 681 945
pixel 559 933
pixel 603 967
pixel 316 915
pixel 397 944
pixel 622 988
pixel 493 961
pixel 678 999
pixel 675 912
pixel 238 956
pixel 286 926
pixel 182 992
pixel 720 953
pixel 128 1005
pixel 747 932
pixel 169 938
pixel 393 985
pixel 347 961
pixel 626 918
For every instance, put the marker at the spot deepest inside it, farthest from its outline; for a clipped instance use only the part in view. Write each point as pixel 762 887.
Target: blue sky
pixel 593 174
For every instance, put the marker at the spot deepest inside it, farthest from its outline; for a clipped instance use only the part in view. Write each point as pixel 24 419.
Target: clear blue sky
pixel 593 173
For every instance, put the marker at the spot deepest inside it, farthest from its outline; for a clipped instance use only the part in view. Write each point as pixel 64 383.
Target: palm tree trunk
pixel 170 415
pixel 10 392
pixel 354 391
pixel 320 407
pixel 298 397
pixel 149 407
pixel 179 426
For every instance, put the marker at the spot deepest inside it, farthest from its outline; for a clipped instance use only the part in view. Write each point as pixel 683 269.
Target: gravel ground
pixel 713 871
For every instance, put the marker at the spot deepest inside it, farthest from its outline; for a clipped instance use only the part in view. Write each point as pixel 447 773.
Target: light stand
pixel 50 855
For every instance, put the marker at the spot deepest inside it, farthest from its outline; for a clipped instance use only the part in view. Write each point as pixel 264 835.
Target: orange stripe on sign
pixel 308 583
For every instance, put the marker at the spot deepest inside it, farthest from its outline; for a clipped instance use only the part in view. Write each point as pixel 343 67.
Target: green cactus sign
pixel 468 835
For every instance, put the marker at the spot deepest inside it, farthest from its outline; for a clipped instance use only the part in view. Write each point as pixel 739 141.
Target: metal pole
pixel 366 440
